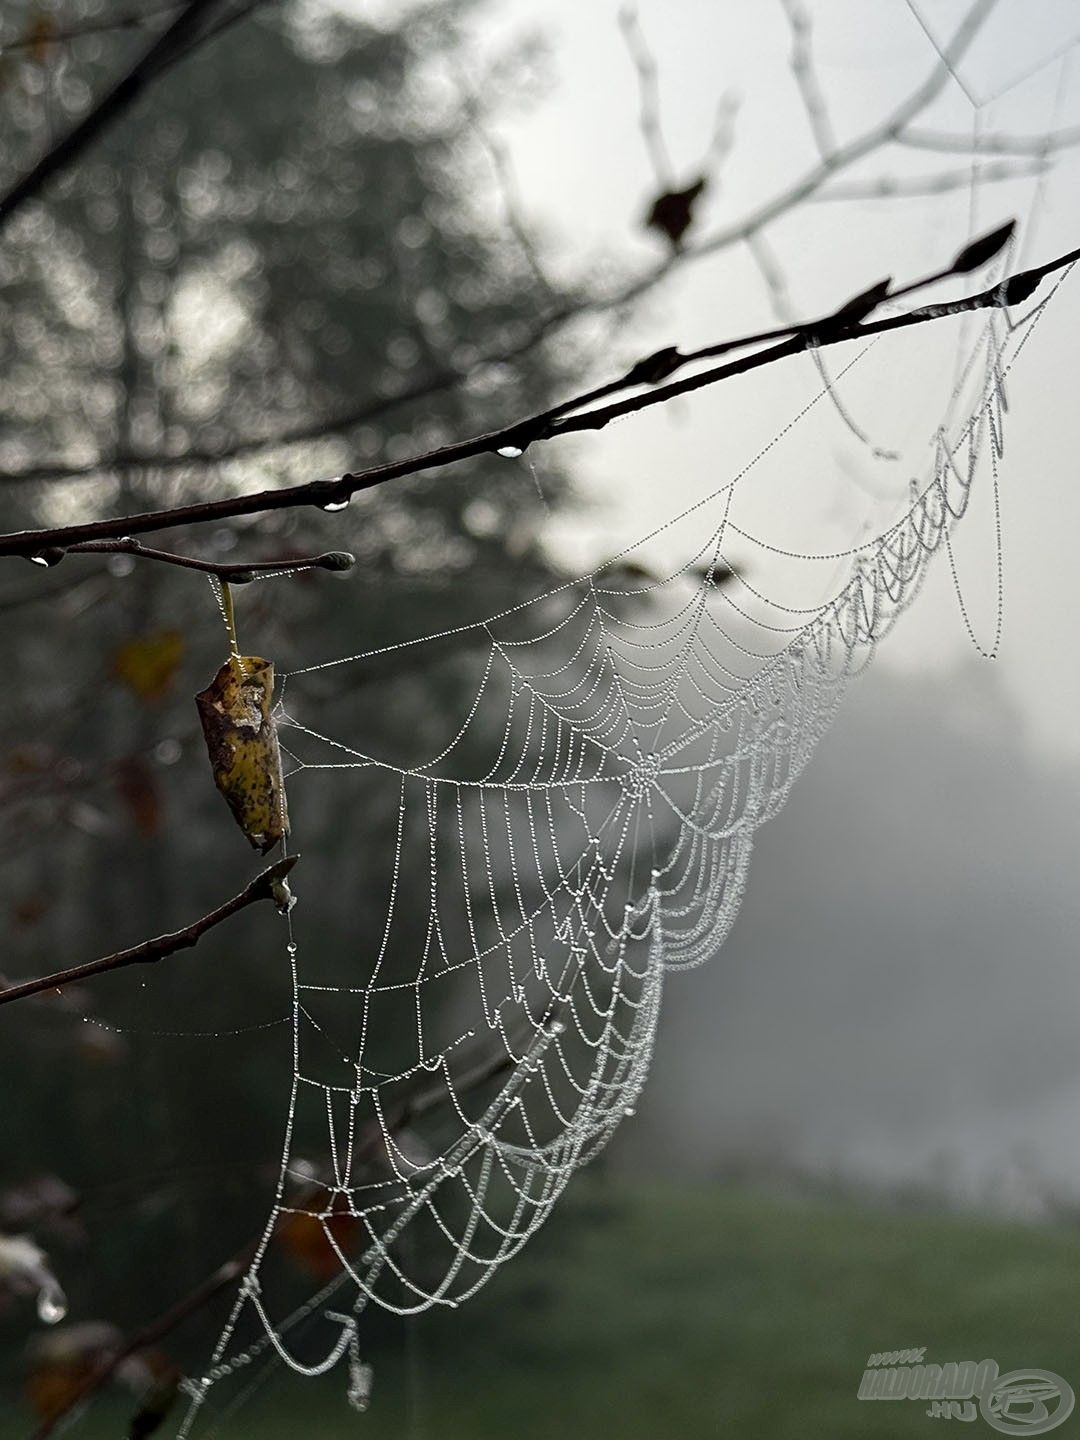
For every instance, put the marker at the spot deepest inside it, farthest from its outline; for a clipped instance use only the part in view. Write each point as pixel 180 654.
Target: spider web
pixel 581 829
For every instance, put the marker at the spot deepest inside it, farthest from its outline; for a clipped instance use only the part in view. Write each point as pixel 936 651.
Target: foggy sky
pixel 901 991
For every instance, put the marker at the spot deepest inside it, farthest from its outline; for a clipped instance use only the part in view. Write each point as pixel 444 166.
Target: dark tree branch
pixel 218 27
pixel 154 60
pixel 129 20
pixel 513 439
pixel 235 572
pixel 892 129
pixel 373 409
pixel 263 887
pixel 1000 296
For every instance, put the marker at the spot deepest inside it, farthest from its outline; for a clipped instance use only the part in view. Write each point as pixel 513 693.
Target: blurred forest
pixel 281 242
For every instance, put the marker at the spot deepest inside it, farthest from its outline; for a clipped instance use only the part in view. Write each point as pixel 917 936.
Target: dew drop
pixel 52 1303
pixel 282 896
pixel 510 452
pixel 333 506
pixel 360 1380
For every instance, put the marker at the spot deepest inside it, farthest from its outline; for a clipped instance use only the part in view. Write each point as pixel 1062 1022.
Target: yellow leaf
pixel 148 663
pixel 241 739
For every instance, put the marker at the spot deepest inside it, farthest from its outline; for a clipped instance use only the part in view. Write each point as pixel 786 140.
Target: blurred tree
pixel 283 233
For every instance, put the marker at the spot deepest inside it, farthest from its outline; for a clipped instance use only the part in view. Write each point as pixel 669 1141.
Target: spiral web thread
pixel 584 830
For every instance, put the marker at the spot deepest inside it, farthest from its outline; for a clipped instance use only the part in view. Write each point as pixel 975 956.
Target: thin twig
pixel 506 179
pixel 153 62
pixel 237 572
pixel 645 65
pixel 999 296
pixel 219 27
pixel 772 274
pixel 907 187
pixel 805 75
pixel 515 438
pixel 131 20
pixel 263 887
pixel 990 143
pixel 892 129
pixel 723 136
pixel 871 139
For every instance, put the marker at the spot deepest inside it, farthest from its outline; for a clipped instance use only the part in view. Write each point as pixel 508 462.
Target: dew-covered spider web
pixel 580 829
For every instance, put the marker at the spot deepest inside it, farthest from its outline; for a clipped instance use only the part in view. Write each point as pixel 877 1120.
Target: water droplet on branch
pixel 48 557
pixel 52 1304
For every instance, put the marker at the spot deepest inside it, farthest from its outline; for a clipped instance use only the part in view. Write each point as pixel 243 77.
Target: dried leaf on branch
pixel 241 739
pixel 672 213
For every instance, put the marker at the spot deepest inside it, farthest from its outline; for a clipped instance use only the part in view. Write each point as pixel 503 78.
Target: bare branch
pixel 645 65
pixel 991 143
pixel 1008 292
pixel 723 136
pixel 130 20
pixel 236 572
pixel 218 27
pixel 889 130
pixel 153 62
pixel 802 68
pixel 506 179
pixel 892 187
pixel 263 887
pixel 512 440
pixel 776 284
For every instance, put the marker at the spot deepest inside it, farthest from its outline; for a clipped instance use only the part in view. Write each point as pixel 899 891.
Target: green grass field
pixel 647 1313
